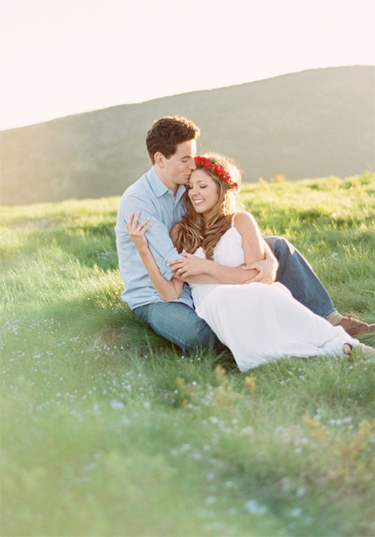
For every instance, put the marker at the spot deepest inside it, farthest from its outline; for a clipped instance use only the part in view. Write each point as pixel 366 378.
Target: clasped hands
pixel 192 265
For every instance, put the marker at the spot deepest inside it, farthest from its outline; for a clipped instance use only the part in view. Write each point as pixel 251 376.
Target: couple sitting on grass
pixel 197 270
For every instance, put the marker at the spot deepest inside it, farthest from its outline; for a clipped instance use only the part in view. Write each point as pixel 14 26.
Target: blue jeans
pixel 180 324
pixel 298 276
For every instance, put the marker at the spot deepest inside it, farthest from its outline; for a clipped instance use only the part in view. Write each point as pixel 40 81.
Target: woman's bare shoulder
pixel 243 218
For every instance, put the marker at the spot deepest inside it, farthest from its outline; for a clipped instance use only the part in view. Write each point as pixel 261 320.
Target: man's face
pixel 177 169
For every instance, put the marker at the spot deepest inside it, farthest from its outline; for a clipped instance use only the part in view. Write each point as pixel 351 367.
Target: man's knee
pixel 280 247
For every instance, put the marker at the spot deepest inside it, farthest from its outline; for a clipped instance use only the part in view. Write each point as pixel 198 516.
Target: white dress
pixel 259 322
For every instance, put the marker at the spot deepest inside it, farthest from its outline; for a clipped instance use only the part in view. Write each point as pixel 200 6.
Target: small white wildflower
pixel 296 512
pixel 185 447
pixel 213 420
pixel 210 500
pixel 255 508
pixel 117 405
pixel 300 491
pixel 210 477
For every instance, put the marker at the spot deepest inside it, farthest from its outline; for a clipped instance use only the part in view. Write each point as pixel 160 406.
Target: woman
pixel 258 322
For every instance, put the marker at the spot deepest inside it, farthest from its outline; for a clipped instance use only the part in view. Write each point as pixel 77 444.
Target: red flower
pixel 218 170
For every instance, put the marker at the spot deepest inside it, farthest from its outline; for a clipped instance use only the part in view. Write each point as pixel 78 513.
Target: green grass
pixel 107 430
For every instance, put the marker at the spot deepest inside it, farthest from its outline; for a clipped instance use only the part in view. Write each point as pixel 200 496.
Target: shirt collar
pixel 159 188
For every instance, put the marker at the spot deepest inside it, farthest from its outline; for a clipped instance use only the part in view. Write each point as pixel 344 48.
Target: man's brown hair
pixel 166 133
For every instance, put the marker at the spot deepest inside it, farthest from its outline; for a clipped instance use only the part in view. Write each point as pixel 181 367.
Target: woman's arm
pixel 168 290
pixel 252 241
pixel 267 267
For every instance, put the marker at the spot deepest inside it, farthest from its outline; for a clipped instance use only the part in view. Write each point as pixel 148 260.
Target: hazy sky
pixel 61 57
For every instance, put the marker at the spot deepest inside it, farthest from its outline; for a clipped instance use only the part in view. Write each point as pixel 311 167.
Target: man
pixel 171 144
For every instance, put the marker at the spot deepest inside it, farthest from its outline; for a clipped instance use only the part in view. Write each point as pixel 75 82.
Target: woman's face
pixel 202 192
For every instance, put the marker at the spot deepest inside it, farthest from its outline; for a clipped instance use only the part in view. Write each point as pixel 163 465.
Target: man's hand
pixel 137 231
pixel 267 269
pixel 190 266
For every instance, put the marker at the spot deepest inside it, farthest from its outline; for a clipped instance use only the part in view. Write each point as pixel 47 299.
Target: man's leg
pixel 179 324
pixel 298 276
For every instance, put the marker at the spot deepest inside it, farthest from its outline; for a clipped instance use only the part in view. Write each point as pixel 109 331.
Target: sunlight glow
pixel 60 58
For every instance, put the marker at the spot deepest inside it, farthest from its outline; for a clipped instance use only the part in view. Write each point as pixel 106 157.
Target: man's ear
pixel 159 159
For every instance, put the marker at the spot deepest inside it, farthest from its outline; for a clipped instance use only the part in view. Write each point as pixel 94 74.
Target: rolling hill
pixel 309 124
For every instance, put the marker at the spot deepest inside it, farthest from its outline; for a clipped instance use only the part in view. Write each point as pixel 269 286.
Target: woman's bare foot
pixel 347 349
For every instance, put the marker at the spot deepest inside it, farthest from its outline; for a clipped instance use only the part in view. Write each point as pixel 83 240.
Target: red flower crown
pixel 217 170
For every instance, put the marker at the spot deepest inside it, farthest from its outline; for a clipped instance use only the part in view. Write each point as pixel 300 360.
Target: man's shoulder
pixel 141 191
pixel 141 187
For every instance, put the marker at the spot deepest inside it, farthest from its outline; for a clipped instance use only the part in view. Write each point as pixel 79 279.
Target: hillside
pixel 314 123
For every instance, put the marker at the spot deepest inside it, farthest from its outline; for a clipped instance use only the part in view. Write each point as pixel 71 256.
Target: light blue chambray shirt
pixel 150 196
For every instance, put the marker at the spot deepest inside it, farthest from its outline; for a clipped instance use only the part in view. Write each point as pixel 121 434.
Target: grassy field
pixel 107 430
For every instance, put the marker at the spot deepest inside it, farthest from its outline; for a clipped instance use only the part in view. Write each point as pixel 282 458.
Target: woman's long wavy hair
pixel 195 230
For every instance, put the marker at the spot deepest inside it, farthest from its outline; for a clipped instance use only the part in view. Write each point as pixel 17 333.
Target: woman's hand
pixel 137 231
pixel 267 270
pixel 190 266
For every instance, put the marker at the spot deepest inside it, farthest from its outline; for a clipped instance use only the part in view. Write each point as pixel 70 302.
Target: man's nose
pixel 192 165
